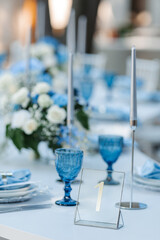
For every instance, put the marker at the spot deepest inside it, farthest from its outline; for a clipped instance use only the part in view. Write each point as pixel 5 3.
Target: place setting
pixel 18 192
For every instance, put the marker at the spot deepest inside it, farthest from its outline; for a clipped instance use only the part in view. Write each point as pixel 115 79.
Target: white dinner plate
pixel 18 192
pixel 18 199
pixel 13 186
pixel 25 188
pixel 147 181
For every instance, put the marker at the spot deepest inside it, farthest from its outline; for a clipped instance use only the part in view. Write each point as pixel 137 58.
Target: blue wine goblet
pixel 68 164
pixel 86 88
pixel 110 147
pixel 109 79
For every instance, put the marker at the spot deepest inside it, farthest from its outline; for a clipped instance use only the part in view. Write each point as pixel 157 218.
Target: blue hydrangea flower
pixel 20 67
pixel 65 135
pixel 49 40
pixel 35 99
pixel 16 107
pixel 45 77
pixel 62 54
pixel 51 93
pixel 60 100
pixel 3 57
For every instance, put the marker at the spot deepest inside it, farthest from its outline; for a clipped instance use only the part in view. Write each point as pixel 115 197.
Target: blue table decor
pixel 110 147
pixel 14 176
pixel 68 165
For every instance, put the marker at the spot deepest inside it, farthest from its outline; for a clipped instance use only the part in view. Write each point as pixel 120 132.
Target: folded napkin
pixel 149 96
pixel 155 97
pixel 123 81
pixel 150 170
pixel 16 176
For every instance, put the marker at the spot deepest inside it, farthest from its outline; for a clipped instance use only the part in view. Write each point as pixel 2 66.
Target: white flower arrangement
pixel 21 97
pixel 40 116
pixel 8 83
pixel 41 50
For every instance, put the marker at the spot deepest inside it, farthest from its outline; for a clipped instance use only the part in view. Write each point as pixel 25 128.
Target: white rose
pixel 19 118
pixel 41 49
pixel 21 97
pixel 49 61
pixel 41 88
pixel 60 83
pixel 8 83
pixel 56 114
pixel 30 126
pixel 44 101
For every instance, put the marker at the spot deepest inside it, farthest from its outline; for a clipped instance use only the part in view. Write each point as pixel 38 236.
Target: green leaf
pixel 16 135
pixel 31 141
pixel 82 117
pixel 8 131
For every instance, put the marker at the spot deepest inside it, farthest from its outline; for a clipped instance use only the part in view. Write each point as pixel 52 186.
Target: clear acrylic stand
pixel 96 201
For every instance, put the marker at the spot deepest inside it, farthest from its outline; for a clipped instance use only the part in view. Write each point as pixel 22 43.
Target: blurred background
pixel 112 27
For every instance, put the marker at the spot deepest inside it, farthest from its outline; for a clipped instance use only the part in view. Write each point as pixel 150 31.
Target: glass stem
pixel 67 189
pixel 109 173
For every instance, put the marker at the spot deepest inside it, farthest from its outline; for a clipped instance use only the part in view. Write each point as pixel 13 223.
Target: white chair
pixel 147 70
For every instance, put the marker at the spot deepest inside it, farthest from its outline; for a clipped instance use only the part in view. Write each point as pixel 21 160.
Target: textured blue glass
pixel 109 79
pixel 110 148
pixel 68 165
pixel 86 88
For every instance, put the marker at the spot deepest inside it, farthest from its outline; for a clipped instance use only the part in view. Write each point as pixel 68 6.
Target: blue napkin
pixel 155 97
pixel 124 81
pixel 119 114
pixel 149 96
pixel 150 170
pixel 17 176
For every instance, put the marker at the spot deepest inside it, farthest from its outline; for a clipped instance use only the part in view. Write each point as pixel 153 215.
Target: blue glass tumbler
pixel 110 148
pixel 68 164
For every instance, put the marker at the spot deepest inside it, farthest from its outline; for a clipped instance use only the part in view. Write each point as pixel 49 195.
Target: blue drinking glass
pixel 110 147
pixel 109 79
pixel 86 88
pixel 68 164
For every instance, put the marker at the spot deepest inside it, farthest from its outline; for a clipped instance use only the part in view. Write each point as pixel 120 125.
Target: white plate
pixel 15 190
pixel 147 181
pixel 18 199
pixel 18 193
pixel 13 186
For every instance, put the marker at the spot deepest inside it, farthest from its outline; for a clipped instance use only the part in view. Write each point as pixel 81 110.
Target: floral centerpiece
pixel 40 115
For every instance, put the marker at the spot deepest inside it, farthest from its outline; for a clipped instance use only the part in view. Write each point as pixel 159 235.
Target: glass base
pixel 110 182
pixel 63 202
pixel 131 206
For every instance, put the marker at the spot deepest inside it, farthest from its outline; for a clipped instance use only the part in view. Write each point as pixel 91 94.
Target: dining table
pixel 57 222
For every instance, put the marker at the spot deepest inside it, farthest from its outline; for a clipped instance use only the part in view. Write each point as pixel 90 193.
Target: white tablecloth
pixel 57 222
